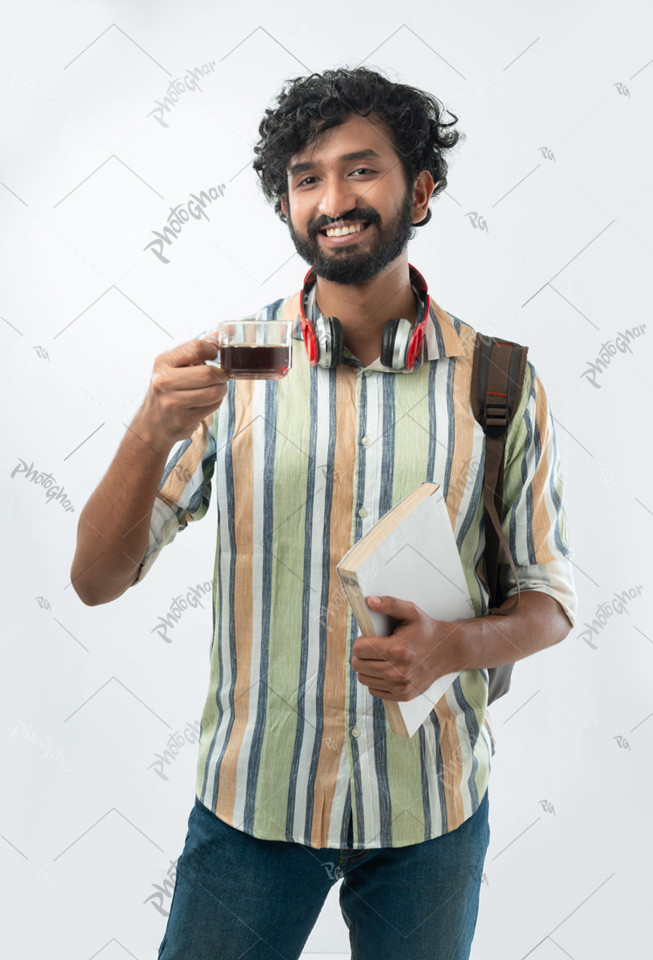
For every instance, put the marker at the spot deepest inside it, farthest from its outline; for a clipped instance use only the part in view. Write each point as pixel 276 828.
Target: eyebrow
pixel 297 168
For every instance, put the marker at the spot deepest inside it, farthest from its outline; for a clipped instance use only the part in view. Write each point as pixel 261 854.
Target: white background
pixel 557 162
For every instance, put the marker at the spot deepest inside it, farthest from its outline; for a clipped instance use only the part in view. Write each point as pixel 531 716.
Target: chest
pixel 358 444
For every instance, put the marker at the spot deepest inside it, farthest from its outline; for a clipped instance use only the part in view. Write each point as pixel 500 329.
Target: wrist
pixel 148 437
pixel 471 643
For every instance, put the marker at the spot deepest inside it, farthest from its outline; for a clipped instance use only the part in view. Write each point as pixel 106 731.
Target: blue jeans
pixel 239 897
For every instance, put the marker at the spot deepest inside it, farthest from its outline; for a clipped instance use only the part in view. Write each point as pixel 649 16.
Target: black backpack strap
pixel 497 380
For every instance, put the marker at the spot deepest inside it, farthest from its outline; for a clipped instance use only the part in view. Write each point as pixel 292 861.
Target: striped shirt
pixel 291 743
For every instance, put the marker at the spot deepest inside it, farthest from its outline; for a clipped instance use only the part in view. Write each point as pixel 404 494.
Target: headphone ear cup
pixel 337 342
pixel 388 342
pixel 395 343
pixel 329 341
pixel 310 342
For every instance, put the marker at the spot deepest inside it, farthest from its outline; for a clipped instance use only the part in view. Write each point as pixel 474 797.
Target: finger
pixel 393 607
pixel 376 683
pixel 372 647
pixel 380 683
pixel 372 652
pixel 191 377
pixel 192 352
pixel 188 395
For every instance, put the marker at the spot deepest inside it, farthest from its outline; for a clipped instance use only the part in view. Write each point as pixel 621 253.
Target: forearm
pixel 113 529
pixel 491 641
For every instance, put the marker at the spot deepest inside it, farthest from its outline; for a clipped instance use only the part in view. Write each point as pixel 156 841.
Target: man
pixel 300 780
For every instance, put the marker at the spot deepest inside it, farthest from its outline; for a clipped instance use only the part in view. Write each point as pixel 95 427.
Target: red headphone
pixel 324 338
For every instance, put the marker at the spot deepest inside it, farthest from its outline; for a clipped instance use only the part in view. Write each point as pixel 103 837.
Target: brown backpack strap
pixel 497 380
pixel 493 500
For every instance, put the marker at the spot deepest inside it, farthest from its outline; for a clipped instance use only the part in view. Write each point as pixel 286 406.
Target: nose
pixel 338 197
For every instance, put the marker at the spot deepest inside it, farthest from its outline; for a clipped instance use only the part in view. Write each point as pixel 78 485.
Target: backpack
pixel 497 379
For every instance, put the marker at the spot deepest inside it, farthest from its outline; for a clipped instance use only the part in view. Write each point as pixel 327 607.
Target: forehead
pixel 353 135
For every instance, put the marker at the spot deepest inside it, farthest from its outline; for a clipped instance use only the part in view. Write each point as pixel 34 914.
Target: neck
pixel 364 309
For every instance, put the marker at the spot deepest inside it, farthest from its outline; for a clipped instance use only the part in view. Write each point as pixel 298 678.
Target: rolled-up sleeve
pixel 184 491
pixel 534 520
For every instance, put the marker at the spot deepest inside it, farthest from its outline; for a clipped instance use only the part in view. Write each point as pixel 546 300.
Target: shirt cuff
pixel 164 525
pixel 555 578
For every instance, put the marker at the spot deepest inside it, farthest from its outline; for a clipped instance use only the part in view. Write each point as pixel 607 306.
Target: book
pixel 411 554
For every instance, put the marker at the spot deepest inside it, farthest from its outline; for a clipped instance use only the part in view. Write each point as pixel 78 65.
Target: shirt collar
pixel 441 339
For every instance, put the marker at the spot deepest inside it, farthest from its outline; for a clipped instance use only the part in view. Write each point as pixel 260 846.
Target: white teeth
pixel 342 232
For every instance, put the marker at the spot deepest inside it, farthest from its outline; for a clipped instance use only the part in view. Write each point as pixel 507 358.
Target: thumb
pixel 393 607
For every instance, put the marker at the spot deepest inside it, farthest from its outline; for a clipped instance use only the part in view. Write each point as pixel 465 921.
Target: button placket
pixel 364 443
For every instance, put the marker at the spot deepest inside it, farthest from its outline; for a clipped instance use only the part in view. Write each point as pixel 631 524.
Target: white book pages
pixel 419 562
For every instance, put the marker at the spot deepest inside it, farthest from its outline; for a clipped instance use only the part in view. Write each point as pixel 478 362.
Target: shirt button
pixel 362 512
pixel 367 373
pixel 366 441
pixel 355 732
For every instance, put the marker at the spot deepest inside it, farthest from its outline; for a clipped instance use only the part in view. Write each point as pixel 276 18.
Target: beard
pixel 351 264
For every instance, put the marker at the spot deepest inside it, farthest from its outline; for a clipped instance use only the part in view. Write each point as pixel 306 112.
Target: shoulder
pixel 447 335
pixel 273 310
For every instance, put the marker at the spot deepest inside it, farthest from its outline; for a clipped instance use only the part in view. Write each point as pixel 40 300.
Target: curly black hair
pixel 318 102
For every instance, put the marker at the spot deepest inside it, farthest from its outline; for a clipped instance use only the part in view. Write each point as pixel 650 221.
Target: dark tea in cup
pixel 262 362
pixel 254 349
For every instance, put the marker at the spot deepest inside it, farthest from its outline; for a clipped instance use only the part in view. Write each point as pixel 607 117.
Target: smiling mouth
pixel 351 230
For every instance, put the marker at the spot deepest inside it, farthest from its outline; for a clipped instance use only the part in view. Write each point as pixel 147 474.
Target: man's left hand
pixel 417 652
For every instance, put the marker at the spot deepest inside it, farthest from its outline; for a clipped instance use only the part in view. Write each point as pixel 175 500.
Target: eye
pixel 358 170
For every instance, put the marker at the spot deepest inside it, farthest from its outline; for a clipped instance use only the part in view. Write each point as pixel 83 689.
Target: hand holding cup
pixel 185 387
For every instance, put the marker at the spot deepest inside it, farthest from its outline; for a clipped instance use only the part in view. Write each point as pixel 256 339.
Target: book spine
pixel 355 596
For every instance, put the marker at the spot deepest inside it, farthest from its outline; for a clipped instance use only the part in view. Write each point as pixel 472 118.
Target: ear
pixel 284 207
pixel 424 187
